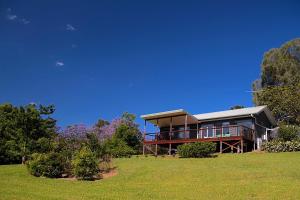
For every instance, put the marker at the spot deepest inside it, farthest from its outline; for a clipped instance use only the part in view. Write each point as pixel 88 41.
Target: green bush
pixel 281 146
pixel 288 132
pixel 85 164
pixel 118 148
pixel 196 150
pixel 49 165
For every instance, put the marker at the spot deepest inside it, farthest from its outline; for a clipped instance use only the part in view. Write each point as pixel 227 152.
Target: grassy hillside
pixel 229 176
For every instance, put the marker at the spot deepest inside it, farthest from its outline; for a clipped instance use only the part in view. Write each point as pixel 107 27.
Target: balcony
pixel 232 132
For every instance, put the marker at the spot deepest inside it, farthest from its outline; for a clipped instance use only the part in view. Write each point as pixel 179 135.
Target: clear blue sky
pixel 97 59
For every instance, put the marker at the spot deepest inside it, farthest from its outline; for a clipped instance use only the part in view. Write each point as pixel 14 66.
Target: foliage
pixel 118 148
pixel 196 150
pixel 21 128
pixel 85 164
pixel 49 165
pixel 44 145
pixel 101 122
pixel 109 130
pixel 281 146
pixel 131 135
pixel 281 66
pixel 236 107
pixel 283 101
pixel 279 84
pixel 288 132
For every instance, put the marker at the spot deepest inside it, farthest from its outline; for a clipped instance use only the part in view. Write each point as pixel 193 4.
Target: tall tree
pixel 278 86
pixel 21 128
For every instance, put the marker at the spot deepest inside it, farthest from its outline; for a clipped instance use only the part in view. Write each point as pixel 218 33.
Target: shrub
pixel 196 150
pixel 281 146
pixel 118 148
pixel 49 165
pixel 288 132
pixel 85 164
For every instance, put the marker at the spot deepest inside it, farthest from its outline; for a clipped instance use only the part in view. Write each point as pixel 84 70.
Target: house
pixel 236 130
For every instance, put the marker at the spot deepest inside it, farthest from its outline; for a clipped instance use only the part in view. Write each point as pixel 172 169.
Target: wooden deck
pixel 229 138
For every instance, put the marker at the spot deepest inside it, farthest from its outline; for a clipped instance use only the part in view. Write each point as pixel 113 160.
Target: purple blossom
pixel 107 131
pixel 77 131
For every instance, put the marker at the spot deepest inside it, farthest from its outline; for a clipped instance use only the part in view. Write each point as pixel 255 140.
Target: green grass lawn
pixel 229 176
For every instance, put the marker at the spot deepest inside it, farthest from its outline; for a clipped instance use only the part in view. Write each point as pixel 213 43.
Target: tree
pixel 288 132
pixel 281 66
pixel 21 128
pixel 101 123
pixel 236 107
pixel 130 135
pixel 279 84
pixel 85 164
pixel 283 101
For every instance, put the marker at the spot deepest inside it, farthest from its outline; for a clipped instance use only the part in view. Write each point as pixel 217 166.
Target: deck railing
pixel 202 133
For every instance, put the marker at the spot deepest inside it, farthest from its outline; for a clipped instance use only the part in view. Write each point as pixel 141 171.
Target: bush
pixel 118 148
pixel 288 132
pixel 85 164
pixel 49 165
pixel 281 146
pixel 196 150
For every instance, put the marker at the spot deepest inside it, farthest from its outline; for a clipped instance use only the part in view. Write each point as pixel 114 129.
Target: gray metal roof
pixel 215 115
pixel 236 113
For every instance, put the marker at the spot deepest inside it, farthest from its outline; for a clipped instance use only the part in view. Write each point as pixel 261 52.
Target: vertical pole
pixel 254 139
pixel 197 130
pixel 185 126
pixel 242 146
pixel 144 136
pixel 221 146
pixel 170 133
pixel 157 135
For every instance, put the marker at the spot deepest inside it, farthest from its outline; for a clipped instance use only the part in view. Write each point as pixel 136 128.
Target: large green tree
pixel 21 129
pixel 279 84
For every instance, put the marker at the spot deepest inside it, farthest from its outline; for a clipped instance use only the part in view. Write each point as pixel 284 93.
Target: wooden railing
pixel 213 132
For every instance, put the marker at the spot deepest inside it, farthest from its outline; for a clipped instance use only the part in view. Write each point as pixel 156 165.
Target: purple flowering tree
pixel 107 131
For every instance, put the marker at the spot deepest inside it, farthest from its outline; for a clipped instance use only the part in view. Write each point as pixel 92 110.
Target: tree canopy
pixel 21 128
pixel 279 84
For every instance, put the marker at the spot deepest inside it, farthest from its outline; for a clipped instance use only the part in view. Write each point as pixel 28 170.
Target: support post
pixel 144 136
pixel 185 126
pixel 197 131
pixel 170 133
pixel 157 135
pixel 221 146
pixel 254 141
pixel 242 146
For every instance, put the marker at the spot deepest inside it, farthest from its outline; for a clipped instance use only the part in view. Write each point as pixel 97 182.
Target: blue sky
pixel 98 59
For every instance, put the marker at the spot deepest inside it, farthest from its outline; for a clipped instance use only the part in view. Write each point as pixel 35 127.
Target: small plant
pixel 281 146
pixel 49 165
pixel 196 150
pixel 85 164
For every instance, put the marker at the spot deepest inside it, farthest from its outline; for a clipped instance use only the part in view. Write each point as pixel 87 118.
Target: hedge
pixel 281 146
pixel 196 150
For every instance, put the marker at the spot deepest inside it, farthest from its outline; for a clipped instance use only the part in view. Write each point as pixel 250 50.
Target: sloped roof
pixel 164 114
pixel 236 113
